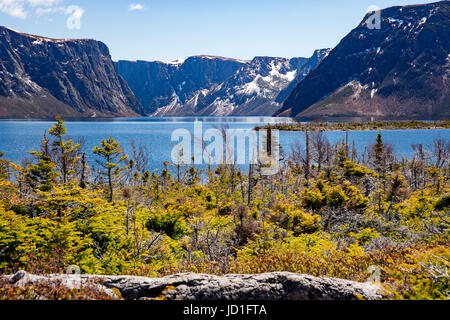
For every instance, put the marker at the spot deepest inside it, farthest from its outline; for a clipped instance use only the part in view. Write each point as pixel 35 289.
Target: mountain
pixel 42 77
pixel 399 71
pixel 214 86
pixel 161 85
pixel 252 89
pixel 302 72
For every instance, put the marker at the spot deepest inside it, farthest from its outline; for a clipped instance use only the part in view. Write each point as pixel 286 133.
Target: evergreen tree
pixel 41 175
pixel 84 168
pixel 66 152
pixel 111 157
pixel 4 171
pixel 378 153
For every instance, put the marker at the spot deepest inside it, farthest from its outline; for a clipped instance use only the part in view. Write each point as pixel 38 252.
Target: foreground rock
pixel 269 286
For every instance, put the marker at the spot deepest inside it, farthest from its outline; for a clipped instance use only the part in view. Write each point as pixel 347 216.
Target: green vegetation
pixel 358 126
pixel 330 211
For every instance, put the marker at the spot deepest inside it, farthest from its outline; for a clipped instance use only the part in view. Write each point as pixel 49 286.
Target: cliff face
pixel 158 84
pixel 41 77
pixel 401 70
pixel 215 86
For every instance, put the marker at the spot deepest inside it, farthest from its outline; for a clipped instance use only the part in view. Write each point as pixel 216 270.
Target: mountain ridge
pixel 41 77
pixel 399 71
pixel 245 87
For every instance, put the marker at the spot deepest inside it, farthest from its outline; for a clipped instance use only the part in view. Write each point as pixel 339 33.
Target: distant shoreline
pixel 358 126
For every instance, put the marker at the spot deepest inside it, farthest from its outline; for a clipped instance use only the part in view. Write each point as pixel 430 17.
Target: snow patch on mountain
pixel 177 62
pixel 210 85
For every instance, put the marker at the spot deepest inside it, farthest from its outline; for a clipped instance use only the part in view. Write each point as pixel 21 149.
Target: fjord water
pixel 19 137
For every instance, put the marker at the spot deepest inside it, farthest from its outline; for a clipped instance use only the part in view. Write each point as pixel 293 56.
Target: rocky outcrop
pixel 401 70
pixel 42 78
pixel 269 286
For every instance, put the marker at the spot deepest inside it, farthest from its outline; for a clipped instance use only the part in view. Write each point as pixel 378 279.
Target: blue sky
pixel 169 29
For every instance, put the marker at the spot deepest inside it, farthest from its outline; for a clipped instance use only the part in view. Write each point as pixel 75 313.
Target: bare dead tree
pixel 441 152
pixel 140 155
pixel 418 165
pixel 320 146
pixel 307 160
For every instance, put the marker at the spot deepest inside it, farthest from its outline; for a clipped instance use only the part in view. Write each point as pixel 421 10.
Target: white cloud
pixel 14 8
pixel 41 11
pixel 43 3
pixel 21 8
pixel 135 7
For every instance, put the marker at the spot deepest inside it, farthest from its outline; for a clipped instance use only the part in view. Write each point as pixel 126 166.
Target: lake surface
pixel 19 137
